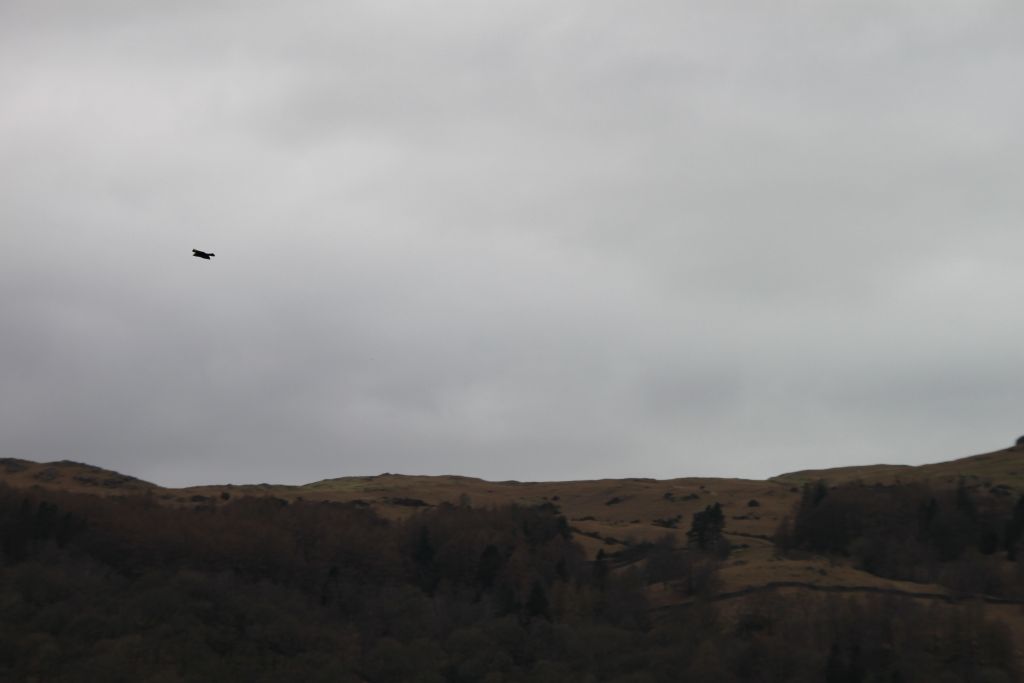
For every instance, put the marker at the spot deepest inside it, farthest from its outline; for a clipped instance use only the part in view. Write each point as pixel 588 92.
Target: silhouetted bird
pixel 202 254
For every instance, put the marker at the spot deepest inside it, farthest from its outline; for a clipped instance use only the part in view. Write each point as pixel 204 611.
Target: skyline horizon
pixel 625 477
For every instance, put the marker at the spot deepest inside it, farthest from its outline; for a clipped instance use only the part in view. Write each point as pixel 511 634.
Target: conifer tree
pixel 1014 530
pixel 423 560
pixel 537 603
pixel 706 529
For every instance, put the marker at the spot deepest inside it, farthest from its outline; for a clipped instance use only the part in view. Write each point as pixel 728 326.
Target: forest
pixel 955 538
pixel 261 589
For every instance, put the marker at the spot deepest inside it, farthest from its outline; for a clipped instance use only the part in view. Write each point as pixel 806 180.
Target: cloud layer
pixel 534 241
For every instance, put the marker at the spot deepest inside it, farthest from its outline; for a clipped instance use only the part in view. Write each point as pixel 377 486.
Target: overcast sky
pixel 523 240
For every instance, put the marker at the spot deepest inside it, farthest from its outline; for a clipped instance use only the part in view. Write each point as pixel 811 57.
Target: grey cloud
pixel 529 242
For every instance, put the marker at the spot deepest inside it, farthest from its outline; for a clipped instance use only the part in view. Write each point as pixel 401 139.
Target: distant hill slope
pixel 605 513
pixel 68 475
pixel 998 468
pixel 613 515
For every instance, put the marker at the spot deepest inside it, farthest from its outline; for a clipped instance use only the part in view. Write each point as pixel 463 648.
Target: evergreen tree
pixel 964 501
pixel 488 567
pixel 1014 530
pixel 835 671
pixel 423 561
pixel 600 569
pixel 537 603
pixel 706 529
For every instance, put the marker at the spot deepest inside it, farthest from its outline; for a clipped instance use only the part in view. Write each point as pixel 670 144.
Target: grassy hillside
pixel 67 475
pixel 998 468
pixel 605 514
pixel 630 521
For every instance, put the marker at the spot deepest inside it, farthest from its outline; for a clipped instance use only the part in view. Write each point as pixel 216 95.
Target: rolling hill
pixel 612 516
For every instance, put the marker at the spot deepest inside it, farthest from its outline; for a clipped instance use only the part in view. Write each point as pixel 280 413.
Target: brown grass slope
pixel 607 514
pixel 68 475
pixel 999 468
pixel 611 514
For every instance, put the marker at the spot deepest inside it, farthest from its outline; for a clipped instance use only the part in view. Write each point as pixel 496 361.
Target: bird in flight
pixel 202 254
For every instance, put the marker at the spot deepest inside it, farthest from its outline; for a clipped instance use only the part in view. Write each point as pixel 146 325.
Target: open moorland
pixel 884 572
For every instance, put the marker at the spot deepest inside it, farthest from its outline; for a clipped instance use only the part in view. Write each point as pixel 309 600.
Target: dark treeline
pixel 967 539
pixel 260 589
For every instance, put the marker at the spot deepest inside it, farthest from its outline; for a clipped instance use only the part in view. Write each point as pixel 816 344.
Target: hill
pixel 67 475
pixel 1002 468
pixel 605 514
pixel 608 511
pixel 809 534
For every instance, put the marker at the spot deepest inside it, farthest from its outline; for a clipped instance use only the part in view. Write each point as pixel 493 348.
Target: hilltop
pixel 605 514
pixel 68 475
pixel 1004 468
pixel 913 545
